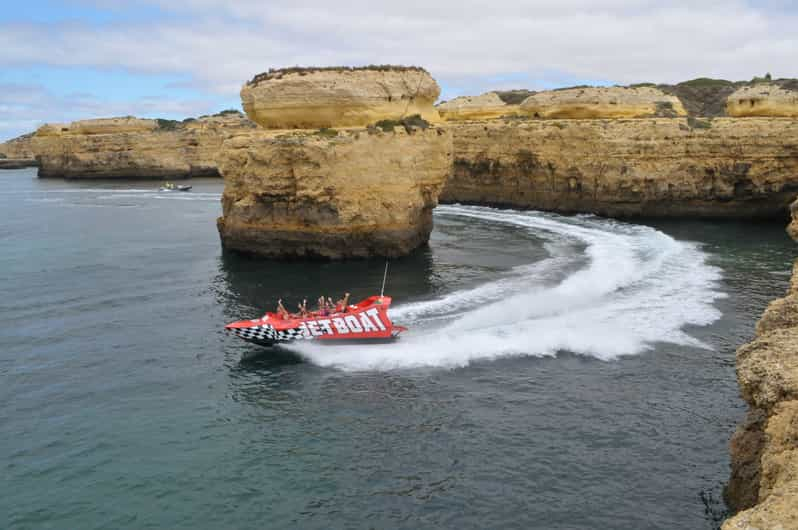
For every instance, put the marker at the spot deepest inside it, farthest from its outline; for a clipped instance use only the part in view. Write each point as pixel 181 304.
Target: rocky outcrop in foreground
pixel 134 148
pixel 723 167
pixel 764 450
pixel 356 193
pixel 312 98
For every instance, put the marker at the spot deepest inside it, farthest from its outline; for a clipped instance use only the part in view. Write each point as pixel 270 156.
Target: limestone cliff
pixel 764 450
pixel 485 107
pixel 723 167
pixel 134 148
pixel 356 193
pixel 127 124
pixel 312 98
pixel 18 148
pixel 602 102
pixel 17 163
pixel 764 99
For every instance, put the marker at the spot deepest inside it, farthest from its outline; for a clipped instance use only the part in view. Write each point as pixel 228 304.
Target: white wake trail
pixel 639 287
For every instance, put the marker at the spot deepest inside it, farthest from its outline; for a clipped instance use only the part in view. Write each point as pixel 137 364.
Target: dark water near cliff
pixel 601 394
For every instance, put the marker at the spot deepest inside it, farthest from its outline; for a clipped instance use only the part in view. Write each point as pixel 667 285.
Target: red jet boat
pixel 366 321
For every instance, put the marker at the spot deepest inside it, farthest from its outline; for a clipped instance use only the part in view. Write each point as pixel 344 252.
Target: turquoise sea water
pixel 559 372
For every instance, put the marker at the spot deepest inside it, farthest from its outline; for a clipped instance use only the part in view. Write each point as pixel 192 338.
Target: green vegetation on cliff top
pixel 410 123
pixel 278 73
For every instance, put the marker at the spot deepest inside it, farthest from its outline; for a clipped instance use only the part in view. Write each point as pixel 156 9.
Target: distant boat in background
pixel 168 186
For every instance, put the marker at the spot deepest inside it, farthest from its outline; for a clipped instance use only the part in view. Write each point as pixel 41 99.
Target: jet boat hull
pixel 362 323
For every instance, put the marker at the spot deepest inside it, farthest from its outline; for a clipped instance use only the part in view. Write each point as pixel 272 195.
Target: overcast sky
pixel 61 61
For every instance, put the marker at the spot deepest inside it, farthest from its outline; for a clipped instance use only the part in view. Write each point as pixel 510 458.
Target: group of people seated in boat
pixel 325 307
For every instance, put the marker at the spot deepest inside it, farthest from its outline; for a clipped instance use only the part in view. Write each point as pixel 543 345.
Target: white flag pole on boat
pixel 384 277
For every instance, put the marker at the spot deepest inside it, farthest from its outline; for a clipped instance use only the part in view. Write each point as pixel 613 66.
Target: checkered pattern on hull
pixel 267 333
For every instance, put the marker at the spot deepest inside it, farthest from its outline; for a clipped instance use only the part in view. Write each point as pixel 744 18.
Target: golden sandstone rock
pixel 764 450
pixel 312 98
pixel 485 107
pixel 722 167
pixel 602 102
pixel 52 129
pixel 127 124
pixel 356 193
pixel 20 147
pixel 570 103
pixel 763 99
pixel 625 163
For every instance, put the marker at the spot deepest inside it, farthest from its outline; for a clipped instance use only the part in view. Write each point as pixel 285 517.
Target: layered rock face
pixel 570 103
pixel 357 193
pixel 639 167
pixel 602 102
pixel 629 151
pixel 485 107
pixel 134 148
pixel 312 98
pixel 764 99
pixel 18 148
pixel 112 126
pixel 17 163
pixel 764 450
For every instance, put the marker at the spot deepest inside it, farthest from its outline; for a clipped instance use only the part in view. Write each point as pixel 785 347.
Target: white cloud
pixel 219 44
pixel 222 43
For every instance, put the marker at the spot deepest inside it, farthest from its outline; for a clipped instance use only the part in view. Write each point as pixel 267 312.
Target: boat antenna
pixel 384 277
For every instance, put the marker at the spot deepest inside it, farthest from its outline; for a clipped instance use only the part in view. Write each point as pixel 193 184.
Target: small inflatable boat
pixel 367 321
pixel 173 187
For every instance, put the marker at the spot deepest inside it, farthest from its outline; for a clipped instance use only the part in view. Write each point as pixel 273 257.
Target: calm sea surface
pixel 559 372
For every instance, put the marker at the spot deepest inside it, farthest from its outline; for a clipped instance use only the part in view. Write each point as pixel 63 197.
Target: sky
pixel 75 59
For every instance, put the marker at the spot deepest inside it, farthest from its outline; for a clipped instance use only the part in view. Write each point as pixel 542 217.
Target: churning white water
pixel 638 287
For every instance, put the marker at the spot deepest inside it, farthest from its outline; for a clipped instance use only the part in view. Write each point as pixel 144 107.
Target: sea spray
pixel 638 287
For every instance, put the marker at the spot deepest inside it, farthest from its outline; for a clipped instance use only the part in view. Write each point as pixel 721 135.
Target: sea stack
pixel 364 189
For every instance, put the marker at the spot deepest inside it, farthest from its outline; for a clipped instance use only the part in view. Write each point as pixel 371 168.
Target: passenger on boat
pixel 282 311
pixel 322 306
pixel 341 305
pixel 303 308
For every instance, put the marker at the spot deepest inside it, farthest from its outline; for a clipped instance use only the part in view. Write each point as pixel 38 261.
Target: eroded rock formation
pixel 722 167
pixel 356 193
pixel 485 107
pixel 19 148
pixel 603 102
pixel 134 148
pixel 764 450
pixel 764 99
pixel 17 163
pixel 312 98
